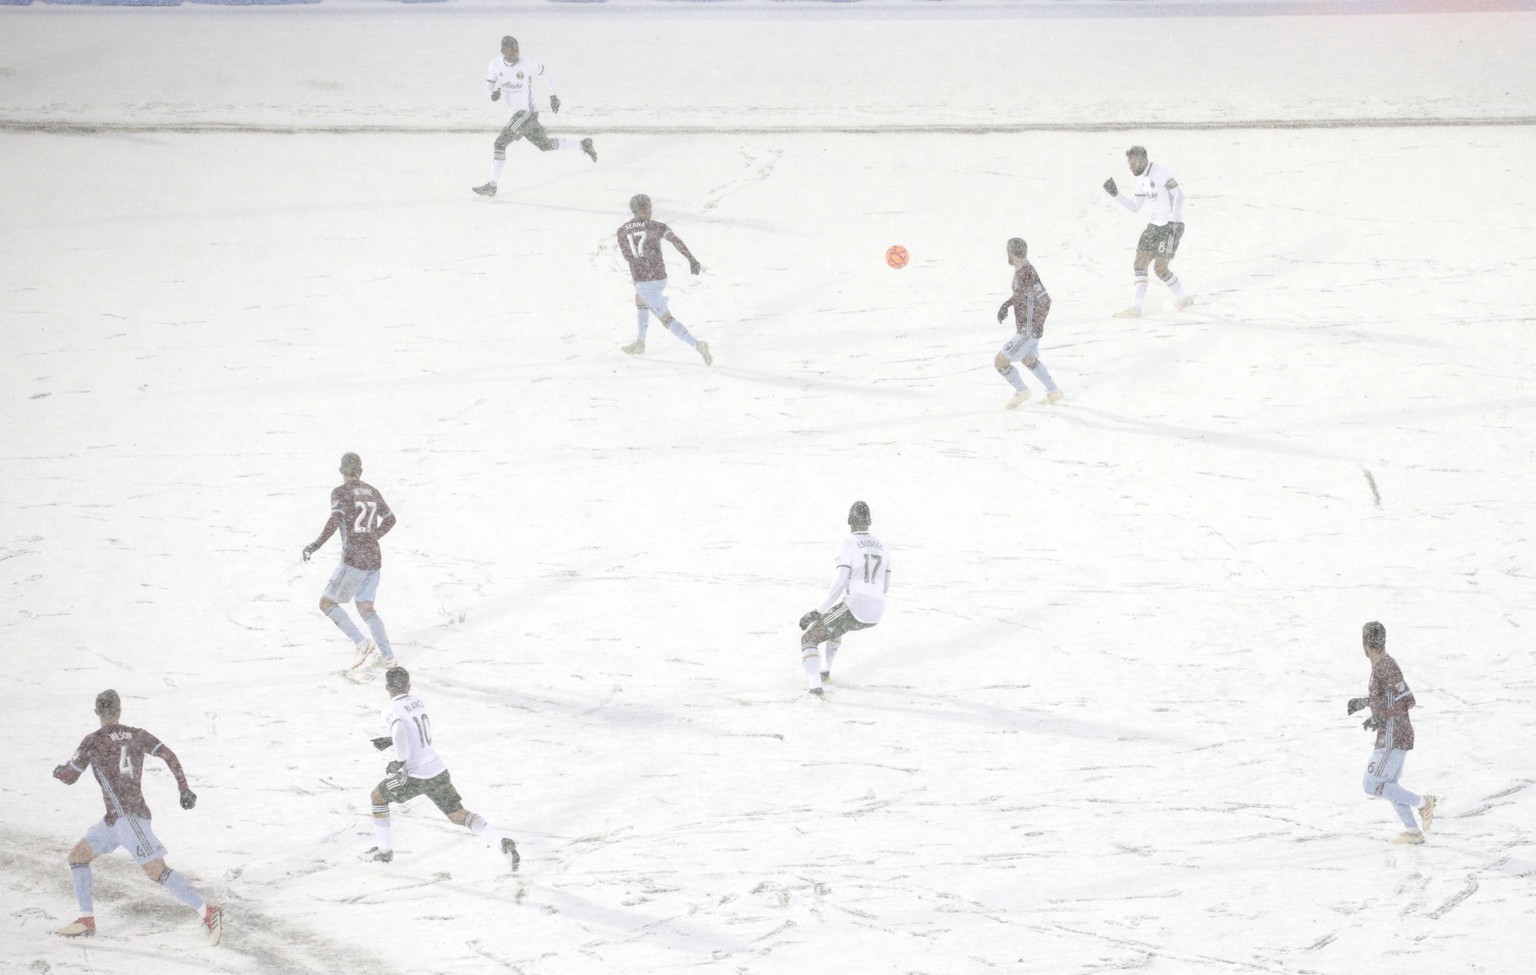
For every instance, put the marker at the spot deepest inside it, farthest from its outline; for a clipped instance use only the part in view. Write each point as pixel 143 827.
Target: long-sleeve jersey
pixel 411 729
pixel 1390 700
pixel 516 82
pixel 1156 186
pixel 362 514
pixel 863 578
pixel 1030 301
pixel 116 754
pixel 640 243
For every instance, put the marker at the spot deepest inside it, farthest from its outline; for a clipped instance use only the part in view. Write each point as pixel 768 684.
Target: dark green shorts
pixel 524 125
pixel 1162 241
pixel 839 621
pixel 439 788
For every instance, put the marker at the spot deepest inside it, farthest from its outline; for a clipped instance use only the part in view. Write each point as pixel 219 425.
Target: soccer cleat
pixel 703 349
pixel 1183 303
pixel 489 189
pixel 1055 396
pixel 375 855
pixel 1411 837
pixel 586 147
pixel 509 850
pixel 818 693
pixel 1018 399
pixel 390 663
pixel 1427 811
pixel 213 920
pixel 826 676
pixel 365 652
pixel 1129 313
pixel 637 347
pixel 80 927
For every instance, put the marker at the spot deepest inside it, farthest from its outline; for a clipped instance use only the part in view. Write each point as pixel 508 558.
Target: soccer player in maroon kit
pixel 1389 699
pixel 1030 304
pixel 115 753
pixel 363 516
pixel 640 243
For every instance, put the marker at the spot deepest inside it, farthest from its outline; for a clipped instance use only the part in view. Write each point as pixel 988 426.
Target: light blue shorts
pixel 129 832
pixel 1385 766
pixel 650 292
pixel 1021 346
pixel 349 582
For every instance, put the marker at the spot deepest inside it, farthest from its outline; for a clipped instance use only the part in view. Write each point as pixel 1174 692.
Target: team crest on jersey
pixel 519 76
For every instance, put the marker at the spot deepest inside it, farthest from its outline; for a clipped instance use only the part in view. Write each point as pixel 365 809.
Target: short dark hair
pixel 1136 151
pixel 638 202
pixel 108 704
pixel 1017 247
pixel 397 680
pixel 351 463
pixel 858 516
pixel 1374 635
pixel 508 39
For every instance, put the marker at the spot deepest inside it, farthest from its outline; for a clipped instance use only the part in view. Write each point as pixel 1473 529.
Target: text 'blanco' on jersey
pixel 411 729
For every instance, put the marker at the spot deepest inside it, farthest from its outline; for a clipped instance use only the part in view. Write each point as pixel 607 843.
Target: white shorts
pixel 650 292
pixel 129 832
pixel 1021 346
pixel 349 582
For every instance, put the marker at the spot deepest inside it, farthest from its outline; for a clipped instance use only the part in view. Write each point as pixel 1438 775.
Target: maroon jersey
pixel 1390 700
pixel 115 754
pixel 640 243
pixel 1030 301
pixel 363 516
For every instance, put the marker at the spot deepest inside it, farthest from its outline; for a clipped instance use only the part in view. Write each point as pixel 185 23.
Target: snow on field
pixel 1102 725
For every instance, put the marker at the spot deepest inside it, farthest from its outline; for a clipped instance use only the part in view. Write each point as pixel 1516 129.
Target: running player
pixel 363 516
pixel 856 600
pixel 510 79
pixel 1389 699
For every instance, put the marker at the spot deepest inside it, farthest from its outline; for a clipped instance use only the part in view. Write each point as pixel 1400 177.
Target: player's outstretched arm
pixel 188 797
pixel 694 267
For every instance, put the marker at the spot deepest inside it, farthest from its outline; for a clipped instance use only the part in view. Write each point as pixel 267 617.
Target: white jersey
pixel 407 722
pixel 863 577
pixel 516 82
pixel 1156 186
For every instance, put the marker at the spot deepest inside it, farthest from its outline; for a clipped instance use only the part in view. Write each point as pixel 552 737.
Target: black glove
pixel 694 267
pixel 1110 187
pixel 383 743
pixel 1358 703
pixel 1002 311
pixel 308 551
pixel 496 95
pixel 1374 723
pixel 554 104
pixel 809 619
pixel 59 771
pixel 188 798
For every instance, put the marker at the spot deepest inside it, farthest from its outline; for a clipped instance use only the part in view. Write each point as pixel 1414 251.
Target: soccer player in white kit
pixel 856 600
pixel 510 79
pixel 417 770
pixel 1165 226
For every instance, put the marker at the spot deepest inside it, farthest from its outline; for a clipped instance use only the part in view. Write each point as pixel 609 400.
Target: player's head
pixel 640 206
pixel 1374 636
pixel 858 517
pixel 351 465
pixel 397 680
pixel 508 48
pixel 1136 158
pixel 1017 249
pixel 109 707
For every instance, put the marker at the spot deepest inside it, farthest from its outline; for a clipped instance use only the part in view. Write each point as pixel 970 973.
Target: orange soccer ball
pixel 897 256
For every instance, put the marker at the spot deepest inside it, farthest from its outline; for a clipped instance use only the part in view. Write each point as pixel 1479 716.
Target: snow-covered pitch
pixel 1102 725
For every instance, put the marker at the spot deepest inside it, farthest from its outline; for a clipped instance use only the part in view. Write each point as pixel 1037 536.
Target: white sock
pixel 566 145
pixel 497 161
pixel 643 321
pixel 381 830
pixel 1140 291
pixel 681 331
pixel 180 889
pixel 1172 281
pixel 1014 379
pixel 811 658
pixel 344 624
pixel 829 654
pixel 477 824
pixel 1043 375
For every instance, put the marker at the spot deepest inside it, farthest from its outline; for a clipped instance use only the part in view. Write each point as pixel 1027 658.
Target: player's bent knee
pixel 1000 362
pixel 1030 362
